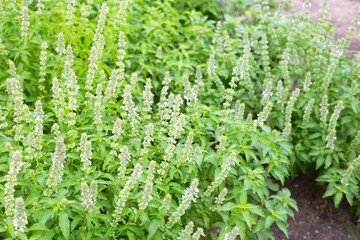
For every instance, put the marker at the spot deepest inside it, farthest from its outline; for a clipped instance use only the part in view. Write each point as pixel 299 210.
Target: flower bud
pixel 290 105
pixel 147 99
pixel 124 193
pixel 89 195
pixel 239 110
pixel 287 130
pixel 249 118
pixel 307 82
pixel 199 232
pixel 60 49
pixel 187 231
pixel 233 234
pixel 86 156
pixel 225 169
pixel 308 111
pixel 97 111
pixel 189 195
pixel 263 115
pixel 148 187
pixel 20 218
pixel 221 198
pixel 25 20
pixel 11 178
pixel 349 171
pixel 57 167
pixel 124 158
pixel 166 202
pixel 267 91
pixel 199 77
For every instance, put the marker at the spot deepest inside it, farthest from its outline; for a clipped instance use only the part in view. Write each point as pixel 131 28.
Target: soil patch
pixel 317 217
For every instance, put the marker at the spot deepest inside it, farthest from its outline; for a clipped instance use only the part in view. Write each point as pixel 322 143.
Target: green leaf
pixel 144 217
pixel 68 183
pixel 346 119
pixel 268 222
pixel 293 204
pixel 243 197
pixel 314 152
pixel 337 199
pixel 72 155
pixel 153 227
pixel 228 206
pixel 38 227
pixel 279 174
pixel 242 228
pixel 264 140
pixel 247 218
pixel 64 224
pixel 287 146
pixel 247 184
pixel 314 135
pixel 130 235
pixel 354 235
pixel 328 161
pixel 266 129
pixel 45 216
pixel 199 159
pixel 350 198
pixel 283 228
pixel 319 162
pixel 255 209
pixel 329 192
pixel 259 226
pixel 21 235
pixel 39 237
pixel 75 222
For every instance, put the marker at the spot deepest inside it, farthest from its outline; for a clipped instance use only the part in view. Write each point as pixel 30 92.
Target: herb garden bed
pixel 317 218
pixel 142 119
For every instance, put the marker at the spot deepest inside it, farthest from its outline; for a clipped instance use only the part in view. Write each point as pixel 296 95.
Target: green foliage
pixel 169 119
pixel 105 132
pixel 321 122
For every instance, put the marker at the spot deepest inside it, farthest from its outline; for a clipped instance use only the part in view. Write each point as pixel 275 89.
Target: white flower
pixel 20 218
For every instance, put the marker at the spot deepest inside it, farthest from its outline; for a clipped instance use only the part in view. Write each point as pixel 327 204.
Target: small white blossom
pixel 86 156
pixel 25 20
pixel 199 232
pixel 187 231
pixel 146 198
pixel 11 182
pixel 225 169
pixel 166 202
pixel 233 234
pixel 20 218
pixel 189 196
pixel 124 158
pixel 89 195
pixel 60 48
pixel 57 167
pixel 124 193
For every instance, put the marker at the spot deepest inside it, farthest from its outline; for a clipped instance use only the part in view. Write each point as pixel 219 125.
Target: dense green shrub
pixel 164 119
pixel 301 69
pixel 104 135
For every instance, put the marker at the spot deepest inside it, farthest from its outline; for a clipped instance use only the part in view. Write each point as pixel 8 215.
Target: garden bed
pixel 317 218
